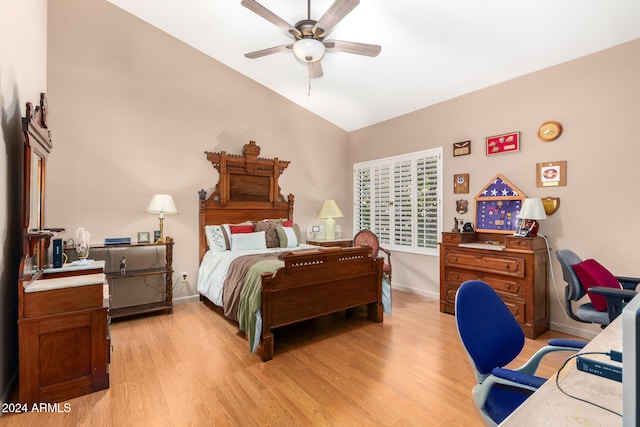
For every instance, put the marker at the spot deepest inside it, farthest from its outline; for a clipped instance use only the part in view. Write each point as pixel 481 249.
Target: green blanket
pixel 251 298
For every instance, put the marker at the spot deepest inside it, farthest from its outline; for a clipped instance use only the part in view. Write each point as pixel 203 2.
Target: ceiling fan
pixel 310 44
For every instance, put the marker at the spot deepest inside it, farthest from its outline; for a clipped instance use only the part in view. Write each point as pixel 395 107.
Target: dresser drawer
pixel 490 263
pixel 456 238
pixel 516 308
pixel 502 284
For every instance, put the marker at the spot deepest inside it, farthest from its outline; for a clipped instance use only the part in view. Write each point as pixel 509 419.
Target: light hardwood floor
pixel 192 368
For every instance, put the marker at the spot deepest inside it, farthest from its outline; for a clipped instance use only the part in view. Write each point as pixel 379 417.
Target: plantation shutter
pixel 398 198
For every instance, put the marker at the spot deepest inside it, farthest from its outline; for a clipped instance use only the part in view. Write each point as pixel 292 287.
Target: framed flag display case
pixel 497 206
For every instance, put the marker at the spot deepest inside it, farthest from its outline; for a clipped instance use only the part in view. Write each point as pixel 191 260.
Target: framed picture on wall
pixel 551 174
pixel 461 183
pixel 461 148
pixel 503 143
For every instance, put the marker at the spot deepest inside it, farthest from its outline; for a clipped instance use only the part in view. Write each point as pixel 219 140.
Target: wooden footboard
pixel 318 282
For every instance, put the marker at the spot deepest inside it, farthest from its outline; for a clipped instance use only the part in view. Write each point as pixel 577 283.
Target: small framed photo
pixel 503 143
pixel 551 174
pixel 460 183
pixel 143 237
pixel 461 148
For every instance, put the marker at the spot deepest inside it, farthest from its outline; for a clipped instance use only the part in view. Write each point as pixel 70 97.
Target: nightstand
pixel 343 243
pixel 145 285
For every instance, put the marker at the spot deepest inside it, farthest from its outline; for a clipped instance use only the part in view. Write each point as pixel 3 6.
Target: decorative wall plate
pixel 551 204
pixel 549 131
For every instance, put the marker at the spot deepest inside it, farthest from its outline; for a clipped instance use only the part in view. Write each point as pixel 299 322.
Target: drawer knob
pixel 507 266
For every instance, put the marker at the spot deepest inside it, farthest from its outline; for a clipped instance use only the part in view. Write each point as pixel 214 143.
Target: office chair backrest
pixel 488 330
pixel 567 260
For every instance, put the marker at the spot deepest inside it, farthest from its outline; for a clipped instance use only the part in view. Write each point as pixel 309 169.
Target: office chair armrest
pixel 557 344
pixel 518 378
pixel 616 299
pixel 613 294
pixel 628 282
pixel 567 343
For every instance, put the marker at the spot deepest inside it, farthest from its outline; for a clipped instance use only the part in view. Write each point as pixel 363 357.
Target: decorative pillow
pixel 238 229
pixel 248 241
pixel 269 228
pixel 591 274
pixel 296 228
pixel 216 238
pixel 287 237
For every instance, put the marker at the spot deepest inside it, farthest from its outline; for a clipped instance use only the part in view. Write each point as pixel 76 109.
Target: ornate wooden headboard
pixel 247 190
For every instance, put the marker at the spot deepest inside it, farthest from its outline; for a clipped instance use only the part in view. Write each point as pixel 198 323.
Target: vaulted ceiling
pixel 432 50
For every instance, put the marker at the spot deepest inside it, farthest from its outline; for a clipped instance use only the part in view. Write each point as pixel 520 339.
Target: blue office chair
pixel 493 338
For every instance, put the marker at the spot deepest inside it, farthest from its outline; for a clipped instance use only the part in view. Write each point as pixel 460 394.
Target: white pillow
pixel 248 241
pixel 215 238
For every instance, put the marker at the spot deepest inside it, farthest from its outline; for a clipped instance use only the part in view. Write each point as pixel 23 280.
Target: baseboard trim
pixel 572 330
pixel 185 300
pixel 417 291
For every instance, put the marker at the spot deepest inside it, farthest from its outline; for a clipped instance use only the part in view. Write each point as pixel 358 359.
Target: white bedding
pixel 215 265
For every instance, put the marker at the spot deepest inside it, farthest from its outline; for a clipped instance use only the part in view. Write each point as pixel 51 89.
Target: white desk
pixel 550 407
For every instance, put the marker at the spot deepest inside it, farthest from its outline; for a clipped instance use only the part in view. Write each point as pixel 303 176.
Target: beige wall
pixel 133 111
pixel 23 68
pixel 597 100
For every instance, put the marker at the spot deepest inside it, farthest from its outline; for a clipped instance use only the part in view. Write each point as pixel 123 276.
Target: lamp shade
pixel 532 209
pixel 330 209
pixel 162 204
pixel 308 50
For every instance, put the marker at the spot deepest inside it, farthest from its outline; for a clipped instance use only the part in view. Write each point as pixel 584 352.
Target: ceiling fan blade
pixel 315 69
pixel 259 9
pixel 269 51
pixel 353 47
pixel 338 10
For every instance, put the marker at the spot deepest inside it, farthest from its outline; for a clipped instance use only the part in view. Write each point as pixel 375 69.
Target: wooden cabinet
pixel 145 285
pixel 516 267
pixel 63 334
pixel 343 243
pixel 63 324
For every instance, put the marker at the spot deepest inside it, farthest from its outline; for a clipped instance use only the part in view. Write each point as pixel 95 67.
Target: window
pixel 399 199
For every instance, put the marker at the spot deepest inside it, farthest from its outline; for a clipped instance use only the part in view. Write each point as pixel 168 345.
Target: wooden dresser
pixel 64 334
pixel 63 324
pixel 516 267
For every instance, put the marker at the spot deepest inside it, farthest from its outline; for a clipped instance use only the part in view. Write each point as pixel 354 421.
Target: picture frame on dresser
pixel 143 237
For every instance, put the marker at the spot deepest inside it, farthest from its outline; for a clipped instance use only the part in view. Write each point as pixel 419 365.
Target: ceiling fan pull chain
pixel 309 89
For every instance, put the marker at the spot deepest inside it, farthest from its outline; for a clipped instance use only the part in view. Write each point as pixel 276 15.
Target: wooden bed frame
pixel 313 282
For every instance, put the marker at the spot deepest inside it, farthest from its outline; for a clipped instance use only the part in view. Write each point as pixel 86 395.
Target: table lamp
pixel 329 211
pixel 532 210
pixel 162 204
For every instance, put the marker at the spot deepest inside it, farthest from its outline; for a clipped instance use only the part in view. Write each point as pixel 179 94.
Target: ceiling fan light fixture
pixel 308 50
